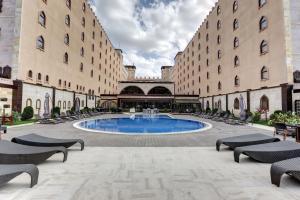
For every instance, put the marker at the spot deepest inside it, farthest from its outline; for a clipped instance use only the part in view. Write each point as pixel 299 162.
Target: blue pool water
pixel 141 124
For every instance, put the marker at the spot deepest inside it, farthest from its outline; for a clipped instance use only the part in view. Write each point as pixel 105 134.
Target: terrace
pixel 181 166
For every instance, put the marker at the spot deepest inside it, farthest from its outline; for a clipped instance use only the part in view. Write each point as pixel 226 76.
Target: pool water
pixel 142 124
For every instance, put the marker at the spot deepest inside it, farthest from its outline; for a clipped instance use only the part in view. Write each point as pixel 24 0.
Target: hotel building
pixel 245 50
pixel 55 48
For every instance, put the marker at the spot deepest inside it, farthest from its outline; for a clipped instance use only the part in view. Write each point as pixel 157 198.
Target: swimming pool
pixel 142 125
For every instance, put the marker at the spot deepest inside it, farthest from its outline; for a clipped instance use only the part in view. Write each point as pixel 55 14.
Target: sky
pixel 151 32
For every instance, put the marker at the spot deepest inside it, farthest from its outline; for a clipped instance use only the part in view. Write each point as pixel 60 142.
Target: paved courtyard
pixel 114 167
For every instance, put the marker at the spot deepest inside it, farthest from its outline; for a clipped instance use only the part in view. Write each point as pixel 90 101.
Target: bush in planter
pixel 55 110
pixel 208 110
pixel 215 110
pixel 27 113
pixel 256 117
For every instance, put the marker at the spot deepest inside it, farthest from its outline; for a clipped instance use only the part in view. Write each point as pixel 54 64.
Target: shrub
pixel 208 110
pixel 55 110
pixel 288 118
pixel 256 117
pixel 215 110
pixel 27 113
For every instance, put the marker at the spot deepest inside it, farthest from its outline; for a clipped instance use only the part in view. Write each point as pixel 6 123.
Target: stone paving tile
pixel 161 173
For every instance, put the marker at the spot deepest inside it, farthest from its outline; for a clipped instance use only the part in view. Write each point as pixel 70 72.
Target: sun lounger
pixel 270 152
pixel 8 172
pixel 290 167
pixel 12 153
pixel 245 140
pixel 41 141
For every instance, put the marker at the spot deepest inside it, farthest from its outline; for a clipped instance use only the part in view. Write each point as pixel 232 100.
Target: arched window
pixel 92 73
pixel 68 4
pixel 83 21
pixel 219 39
pixel 42 19
pixel 236 81
pixel 83 7
pixel 59 104
pixel 39 77
pixel 235 24
pixel 219 86
pixel 40 43
pixel 81 67
pixel 263 23
pixel 219 104
pixel 28 102
pixel 235 6
pixel 207 89
pixel 219 24
pixel 219 69
pixel 264 73
pixel 94 22
pixel 207 50
pixel 261 3
pixel 47 79
pixel 66 58
pixel 82 51
pixel 207 37
pixel 236 104
pixel 67 20
pixel 67 39
pixel 29 74
pixel 82 103
pixel 64 105
pixel 6 73
pixel 218 10
pixel 207 25
pixel 69 105
pixel 236 42
pixel 219 54
pixel 264 103
pixel 264 47
pixel 82 36
pixel 236 61
pixel 38 104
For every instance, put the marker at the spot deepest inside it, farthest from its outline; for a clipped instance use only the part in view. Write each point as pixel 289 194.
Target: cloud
pixel 151 32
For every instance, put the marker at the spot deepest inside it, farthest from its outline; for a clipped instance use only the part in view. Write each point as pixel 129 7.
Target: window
pixel 69 105
pixel 92 73
pixel 236 61
pixel 39 77
pixel 94 22
pixel 219 69
pixel 38 104
pixel 207 50
pixel 236 81
pixel 264 103
pixel 82 51
pixel 28 102
pixel 29 74
pixel 235 6
pixel 207 89
pixel 219 54
pixel 42 19
pixel 207 37
pixel 67 20
pixel 218 10
pixel 261 3
pixel 264 47
pixel 207 25
pixel 67 39
pixel 82 37
pixel 219 86
pixel 235 24
pixel 68 3
pixel 207 75
pixel 64 105
pixel 1 5
pixel 219 25
pixel 263 23
pixel 219 39
pixel 236 104
pixel 47 79
pixel 83 22
pixel 83 7
pixel 40 43
pixel 66 58
pixel 264 73
pixel 236 42
pixel 59 104
pixel 81 67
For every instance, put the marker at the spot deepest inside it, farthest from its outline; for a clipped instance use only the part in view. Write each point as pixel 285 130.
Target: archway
pixel 160 91
pixel 132 90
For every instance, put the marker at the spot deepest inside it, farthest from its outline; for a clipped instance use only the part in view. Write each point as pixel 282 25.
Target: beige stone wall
pixel 106 69
pixel 190 66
